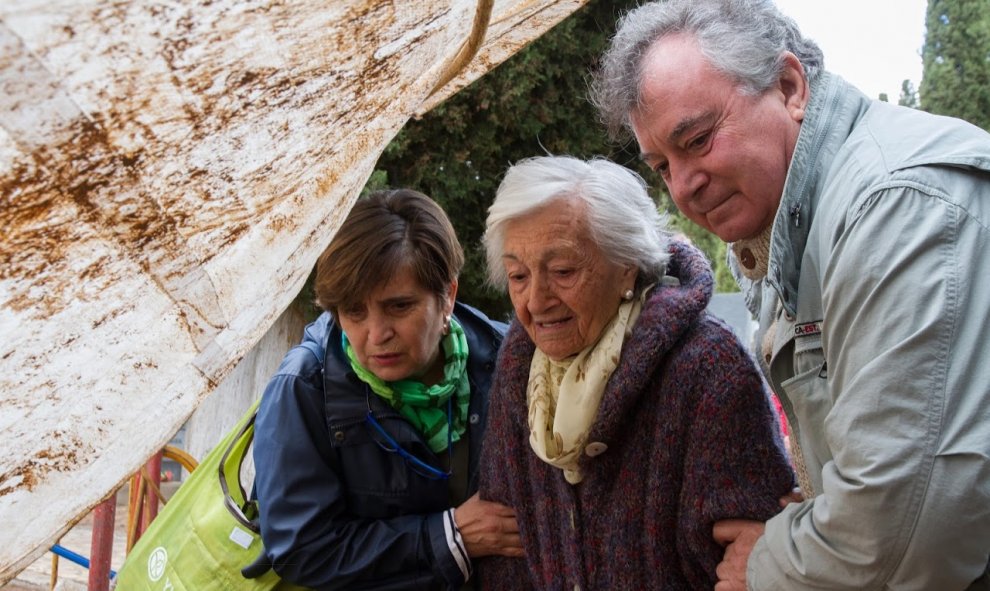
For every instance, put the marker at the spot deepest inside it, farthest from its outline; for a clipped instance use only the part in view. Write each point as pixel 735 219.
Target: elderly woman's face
pixel 562 287
pixel 395 332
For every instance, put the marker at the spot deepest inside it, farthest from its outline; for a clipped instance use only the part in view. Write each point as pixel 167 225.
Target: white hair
pixel 623 220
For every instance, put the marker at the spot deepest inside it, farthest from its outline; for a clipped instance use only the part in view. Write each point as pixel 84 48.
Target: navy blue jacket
pixel 337 511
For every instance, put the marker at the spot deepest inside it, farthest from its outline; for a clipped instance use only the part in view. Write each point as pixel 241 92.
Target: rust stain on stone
pixel 63 456
pixel 59 195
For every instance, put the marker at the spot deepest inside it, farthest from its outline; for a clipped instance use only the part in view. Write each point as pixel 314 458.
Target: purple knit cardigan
pixel 691 438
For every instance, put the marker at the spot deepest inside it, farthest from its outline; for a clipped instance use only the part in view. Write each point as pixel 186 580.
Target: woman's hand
pixel 488 528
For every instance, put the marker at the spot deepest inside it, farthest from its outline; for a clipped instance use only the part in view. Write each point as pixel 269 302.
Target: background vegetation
pixel 956 60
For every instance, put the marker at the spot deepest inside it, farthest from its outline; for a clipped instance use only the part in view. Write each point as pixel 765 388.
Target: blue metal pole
pixel 73 557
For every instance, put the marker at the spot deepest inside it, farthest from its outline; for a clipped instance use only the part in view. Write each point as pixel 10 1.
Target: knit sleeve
pixel 504 448
pixel 735 466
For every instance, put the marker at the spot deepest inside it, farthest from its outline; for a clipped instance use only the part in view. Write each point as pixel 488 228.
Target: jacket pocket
pixel 807 395
pixel 379 482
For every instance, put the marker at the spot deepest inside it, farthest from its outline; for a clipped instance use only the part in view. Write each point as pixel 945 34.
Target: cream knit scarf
pixel 563 397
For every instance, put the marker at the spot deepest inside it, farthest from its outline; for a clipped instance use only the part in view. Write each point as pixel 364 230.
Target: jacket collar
pixel 833 110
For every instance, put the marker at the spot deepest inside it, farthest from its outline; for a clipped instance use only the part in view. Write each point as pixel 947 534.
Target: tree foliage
pixel 909 96
pixel 534 103
pixel 956 60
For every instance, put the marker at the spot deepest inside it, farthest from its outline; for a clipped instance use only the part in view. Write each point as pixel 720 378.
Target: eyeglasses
pixel 392 446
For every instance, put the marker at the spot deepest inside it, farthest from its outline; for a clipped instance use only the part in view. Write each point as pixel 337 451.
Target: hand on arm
pixel 488 528
pixel 795 496
pixel 738 536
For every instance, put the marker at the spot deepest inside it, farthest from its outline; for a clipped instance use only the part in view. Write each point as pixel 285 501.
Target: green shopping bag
pixel 207 532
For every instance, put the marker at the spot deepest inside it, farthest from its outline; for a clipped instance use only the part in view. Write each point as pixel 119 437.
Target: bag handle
pixel 235 497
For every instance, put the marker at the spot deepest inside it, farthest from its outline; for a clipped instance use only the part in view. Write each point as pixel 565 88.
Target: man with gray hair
pixel 859 232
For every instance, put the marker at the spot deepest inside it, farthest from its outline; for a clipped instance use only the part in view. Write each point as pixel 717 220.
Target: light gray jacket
pixel 877 303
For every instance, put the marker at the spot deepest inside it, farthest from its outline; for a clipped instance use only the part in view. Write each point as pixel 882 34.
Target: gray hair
pixel 743 39
pixel 623 220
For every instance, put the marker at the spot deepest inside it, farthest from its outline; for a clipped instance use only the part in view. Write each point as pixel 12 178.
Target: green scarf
pixel 426 407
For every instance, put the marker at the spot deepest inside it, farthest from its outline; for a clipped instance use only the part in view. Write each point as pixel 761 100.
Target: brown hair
pixel 383 232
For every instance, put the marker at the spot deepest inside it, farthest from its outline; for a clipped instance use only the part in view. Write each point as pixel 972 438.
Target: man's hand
pixel 738 536
pixel 795 496
pixel 488 528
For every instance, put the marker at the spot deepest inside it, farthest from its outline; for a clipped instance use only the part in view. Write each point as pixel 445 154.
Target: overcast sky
pixel 874 44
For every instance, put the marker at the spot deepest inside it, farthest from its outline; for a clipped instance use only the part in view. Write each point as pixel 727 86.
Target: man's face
pixel 724 155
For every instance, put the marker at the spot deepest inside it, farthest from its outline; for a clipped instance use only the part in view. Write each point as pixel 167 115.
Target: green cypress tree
pixel 956 60
pixel 909 96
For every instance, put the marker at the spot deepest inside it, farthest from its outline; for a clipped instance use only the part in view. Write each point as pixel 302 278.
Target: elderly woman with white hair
pixel 625 420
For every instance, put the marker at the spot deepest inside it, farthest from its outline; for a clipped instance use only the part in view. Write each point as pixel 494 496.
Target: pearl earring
pixel 628 295
pixel 446 325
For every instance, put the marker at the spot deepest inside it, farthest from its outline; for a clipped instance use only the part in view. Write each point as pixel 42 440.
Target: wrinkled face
pixel 723 155
pixel 396 331
pixel 562 287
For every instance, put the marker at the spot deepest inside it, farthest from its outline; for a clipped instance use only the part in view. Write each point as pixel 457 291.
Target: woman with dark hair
pixel 368 436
